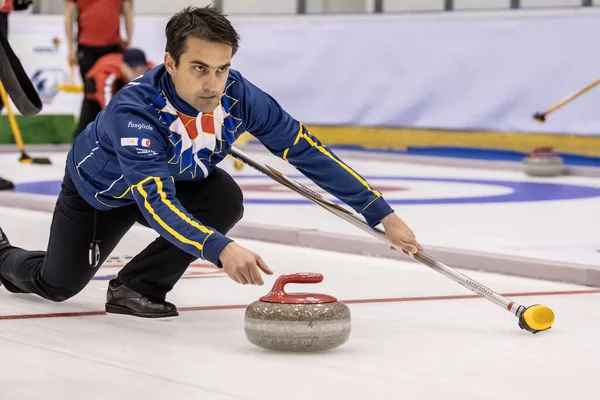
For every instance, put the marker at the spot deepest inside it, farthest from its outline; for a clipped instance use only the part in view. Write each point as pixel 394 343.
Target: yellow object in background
pixel 25 158
pixel 243 139
pixel 71 87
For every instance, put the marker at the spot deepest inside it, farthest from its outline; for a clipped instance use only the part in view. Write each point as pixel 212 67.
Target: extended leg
pixel 66 268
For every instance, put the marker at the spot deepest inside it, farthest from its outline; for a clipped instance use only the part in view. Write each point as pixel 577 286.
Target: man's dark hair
pixel 206 23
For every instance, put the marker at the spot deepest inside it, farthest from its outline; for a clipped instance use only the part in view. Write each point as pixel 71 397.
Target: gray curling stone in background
pixel 543 162
pixel 298 322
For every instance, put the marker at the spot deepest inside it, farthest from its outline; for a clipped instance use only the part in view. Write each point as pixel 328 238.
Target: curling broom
pixel 535 318
pixel 71 87
pixel 541 116
pixel 25 158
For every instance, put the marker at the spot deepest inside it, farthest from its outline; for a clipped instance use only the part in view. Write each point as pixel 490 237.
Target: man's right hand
pixel 73 58
pixel 242 265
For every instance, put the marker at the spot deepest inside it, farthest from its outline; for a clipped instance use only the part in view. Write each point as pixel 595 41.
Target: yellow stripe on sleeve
pixel 167 202
pixel 122 195
pixel 301 134
pixel 298 136
pixel 163 197
pixel 162 223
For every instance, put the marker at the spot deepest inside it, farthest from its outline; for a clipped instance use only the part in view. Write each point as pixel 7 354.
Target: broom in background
pixel 25 158
pixel 541 116
pixel 71 87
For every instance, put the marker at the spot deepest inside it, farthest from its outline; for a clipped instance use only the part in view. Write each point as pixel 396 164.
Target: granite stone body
pixel 299 322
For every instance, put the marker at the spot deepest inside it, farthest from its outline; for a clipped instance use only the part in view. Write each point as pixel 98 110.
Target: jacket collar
pixel 168 88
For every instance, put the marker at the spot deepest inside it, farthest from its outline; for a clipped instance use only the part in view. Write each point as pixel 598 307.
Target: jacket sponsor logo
pixel 145 152
pixel 145 127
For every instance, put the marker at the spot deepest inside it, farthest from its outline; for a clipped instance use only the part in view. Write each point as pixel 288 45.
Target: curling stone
pixel 298 322
pixel 542 161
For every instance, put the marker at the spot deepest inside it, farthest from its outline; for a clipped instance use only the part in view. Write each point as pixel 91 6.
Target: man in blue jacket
pixel 150 157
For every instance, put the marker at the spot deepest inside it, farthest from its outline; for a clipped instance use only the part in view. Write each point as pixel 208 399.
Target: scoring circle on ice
pixel 259 189
pixel 424 190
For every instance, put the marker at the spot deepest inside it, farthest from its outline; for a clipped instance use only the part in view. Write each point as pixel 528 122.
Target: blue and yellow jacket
pixel 147 137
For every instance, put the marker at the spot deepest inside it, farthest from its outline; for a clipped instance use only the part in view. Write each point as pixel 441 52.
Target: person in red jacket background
pixel 6 7
pixel 110 73
pixel 98 30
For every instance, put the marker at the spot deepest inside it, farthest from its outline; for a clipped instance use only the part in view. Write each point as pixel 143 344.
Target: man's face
pixel 201 74
pixel 131 73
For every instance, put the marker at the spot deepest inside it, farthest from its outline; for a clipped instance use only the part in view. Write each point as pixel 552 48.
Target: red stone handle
pixel 541 152
pixel 278 294
pixel 296 278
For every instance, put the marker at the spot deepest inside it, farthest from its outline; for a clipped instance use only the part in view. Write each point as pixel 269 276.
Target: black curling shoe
pixel 125 301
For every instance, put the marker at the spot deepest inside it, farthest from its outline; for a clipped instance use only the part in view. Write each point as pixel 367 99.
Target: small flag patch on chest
pixel 132 141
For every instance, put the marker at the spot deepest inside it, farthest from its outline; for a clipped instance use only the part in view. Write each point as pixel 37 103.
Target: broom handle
pixel 346 215
pixel 12 120
pixel 572 97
